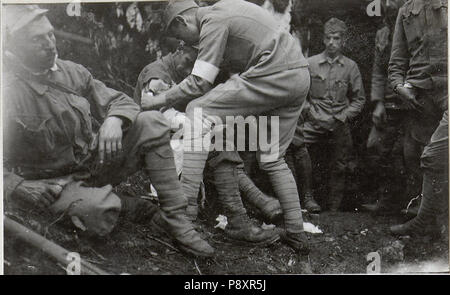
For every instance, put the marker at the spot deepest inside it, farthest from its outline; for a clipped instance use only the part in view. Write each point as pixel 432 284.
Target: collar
pixel 323 58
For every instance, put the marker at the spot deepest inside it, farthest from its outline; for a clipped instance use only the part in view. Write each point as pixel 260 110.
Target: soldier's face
pixel 333 43
pixel 185 62
pixel 186 30
pixel 36 45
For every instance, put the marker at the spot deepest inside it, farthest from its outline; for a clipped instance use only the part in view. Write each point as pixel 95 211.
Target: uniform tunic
pixel 419 49
pixel 337 92
pixel 51 131
pixel 419 57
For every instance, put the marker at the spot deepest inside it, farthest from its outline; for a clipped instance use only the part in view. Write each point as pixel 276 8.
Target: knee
pixel 191 107
pixel 275 166
pixel 434 160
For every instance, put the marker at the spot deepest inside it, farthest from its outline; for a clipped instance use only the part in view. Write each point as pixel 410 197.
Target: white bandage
pixel 205 70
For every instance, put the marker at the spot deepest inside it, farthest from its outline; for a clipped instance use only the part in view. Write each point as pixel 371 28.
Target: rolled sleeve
pixel 189 89
pixel 107 102
pixel 399 61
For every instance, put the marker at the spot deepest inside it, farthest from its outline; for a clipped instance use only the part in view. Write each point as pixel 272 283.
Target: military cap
pixel 335 25
pixel 17 16
pixel 176 7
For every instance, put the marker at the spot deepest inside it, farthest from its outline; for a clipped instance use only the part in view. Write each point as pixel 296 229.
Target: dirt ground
pixel 347 239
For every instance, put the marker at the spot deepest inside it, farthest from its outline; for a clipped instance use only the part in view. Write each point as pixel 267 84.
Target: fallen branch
pixel 52 249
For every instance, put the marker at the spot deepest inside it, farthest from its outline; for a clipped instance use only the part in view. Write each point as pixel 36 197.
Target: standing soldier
pixel 418 73
pixel 336 97
pixel 385 142
pixel 271 79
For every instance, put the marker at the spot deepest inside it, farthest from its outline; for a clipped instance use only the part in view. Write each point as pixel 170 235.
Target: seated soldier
pixel 61 124
pixel 158 77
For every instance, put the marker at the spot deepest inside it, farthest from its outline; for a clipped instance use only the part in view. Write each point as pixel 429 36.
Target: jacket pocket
pixel 341 90
pixel 38 134
pixel 318 86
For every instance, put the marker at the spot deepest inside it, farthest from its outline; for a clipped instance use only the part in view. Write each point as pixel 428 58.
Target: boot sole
pixel 267 242
pixel 191 252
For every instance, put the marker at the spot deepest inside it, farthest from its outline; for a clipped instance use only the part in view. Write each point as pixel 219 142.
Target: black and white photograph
pixel 224 137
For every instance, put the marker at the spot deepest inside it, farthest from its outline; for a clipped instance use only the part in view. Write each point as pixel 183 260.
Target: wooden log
pixel 52 249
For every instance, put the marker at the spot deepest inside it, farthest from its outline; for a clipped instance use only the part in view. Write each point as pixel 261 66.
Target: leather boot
pixel 160 167
pixel 310 204
pixel 240 228
pixel 434 191
pixel 298 241
pixel 269 207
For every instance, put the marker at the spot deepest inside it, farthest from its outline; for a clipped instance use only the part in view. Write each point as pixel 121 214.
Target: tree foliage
pixel 125 36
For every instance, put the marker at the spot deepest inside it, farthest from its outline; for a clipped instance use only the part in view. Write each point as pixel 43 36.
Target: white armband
pixel 205 70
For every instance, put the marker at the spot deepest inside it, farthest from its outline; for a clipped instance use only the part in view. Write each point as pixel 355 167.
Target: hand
pixel 153 102
pixel 408 97
pixel 156 86
pixel 110 139
pixel 37 192
pixel 379 114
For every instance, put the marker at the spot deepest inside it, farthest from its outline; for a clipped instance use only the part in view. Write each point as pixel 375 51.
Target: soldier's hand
pixel 156 86
pixel 110 139
pixel 408 97
pixel 153 102
pixel 379 114
pixel 37 193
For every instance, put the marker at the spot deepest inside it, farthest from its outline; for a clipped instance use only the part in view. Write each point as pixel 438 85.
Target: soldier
pixel 299 161
pixel 418 74
pixel 160 76
pixel 271 78
pixel 60 122
pixel 336 97
pixel 385 142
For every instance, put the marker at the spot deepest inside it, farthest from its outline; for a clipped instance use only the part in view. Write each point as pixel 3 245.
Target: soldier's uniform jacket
pixel 236 37
pixel 336 90
pixel 381 89
pixel 50 131
pixel 419 49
